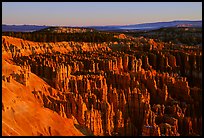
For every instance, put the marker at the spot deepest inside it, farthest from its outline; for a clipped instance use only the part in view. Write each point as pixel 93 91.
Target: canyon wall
pixel 147 89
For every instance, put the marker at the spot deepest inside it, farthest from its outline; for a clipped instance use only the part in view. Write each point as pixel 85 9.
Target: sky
pixel 97 13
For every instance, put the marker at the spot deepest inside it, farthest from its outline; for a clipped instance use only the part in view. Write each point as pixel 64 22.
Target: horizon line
pixel 102 25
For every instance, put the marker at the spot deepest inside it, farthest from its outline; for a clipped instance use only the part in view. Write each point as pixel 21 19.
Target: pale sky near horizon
pixel 97 13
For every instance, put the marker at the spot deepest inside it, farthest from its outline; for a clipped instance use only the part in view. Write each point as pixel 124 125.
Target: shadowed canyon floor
pixel 128 88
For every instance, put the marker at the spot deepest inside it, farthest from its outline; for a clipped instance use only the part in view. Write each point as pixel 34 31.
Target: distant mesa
pixel 143 26
pixel 65 30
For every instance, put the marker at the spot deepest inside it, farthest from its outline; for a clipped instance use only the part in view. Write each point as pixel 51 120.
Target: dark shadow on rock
pixel 84 130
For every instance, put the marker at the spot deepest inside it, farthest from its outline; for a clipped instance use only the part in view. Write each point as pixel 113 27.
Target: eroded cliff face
pixel 146 89
pixel 23 112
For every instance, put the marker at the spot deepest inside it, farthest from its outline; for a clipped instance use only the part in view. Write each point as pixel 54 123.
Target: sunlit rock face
pixel 144 90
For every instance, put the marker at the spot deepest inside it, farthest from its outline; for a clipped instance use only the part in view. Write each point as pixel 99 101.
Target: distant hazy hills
pixel 151 26
pixel 21 28
pixel 144 26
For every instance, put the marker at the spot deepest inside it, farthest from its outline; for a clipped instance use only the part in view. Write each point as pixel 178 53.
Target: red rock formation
pixel 141 90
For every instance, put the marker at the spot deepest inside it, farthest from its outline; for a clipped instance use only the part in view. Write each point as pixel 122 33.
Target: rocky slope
pixel 136 88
